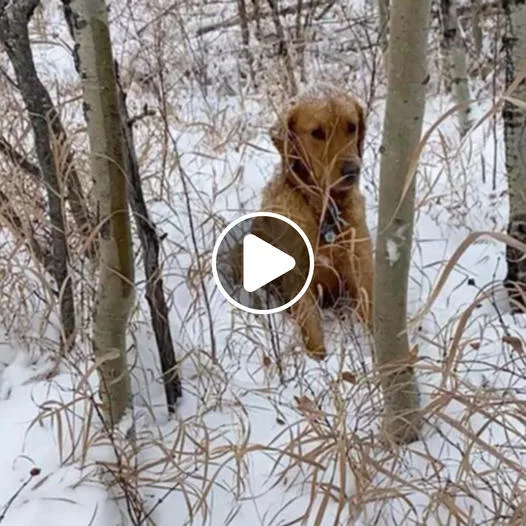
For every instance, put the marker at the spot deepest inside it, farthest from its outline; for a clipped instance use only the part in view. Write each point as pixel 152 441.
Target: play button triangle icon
pixel 263 263
pixel 257 251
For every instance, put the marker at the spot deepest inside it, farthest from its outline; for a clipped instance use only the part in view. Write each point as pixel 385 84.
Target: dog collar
pixel 333 223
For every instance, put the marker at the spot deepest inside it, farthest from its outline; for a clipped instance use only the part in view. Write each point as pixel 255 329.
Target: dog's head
pixel 320 141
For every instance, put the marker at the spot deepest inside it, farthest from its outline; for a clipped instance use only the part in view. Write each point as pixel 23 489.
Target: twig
pixel 146 112
pixel 33 473
pixel 20 160
pixel 9 215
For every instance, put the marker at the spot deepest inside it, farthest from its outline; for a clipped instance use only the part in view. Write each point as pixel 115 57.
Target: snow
pixel 393 253
pixel 393 245
pixel 263 435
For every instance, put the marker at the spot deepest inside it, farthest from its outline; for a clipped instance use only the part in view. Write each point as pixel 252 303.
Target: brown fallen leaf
pixel 267 362
pixel 308 408
pixel 515 342
pixel 349 377
pixel 413 355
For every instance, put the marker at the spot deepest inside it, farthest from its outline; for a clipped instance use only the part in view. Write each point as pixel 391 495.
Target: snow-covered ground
pixel 263 435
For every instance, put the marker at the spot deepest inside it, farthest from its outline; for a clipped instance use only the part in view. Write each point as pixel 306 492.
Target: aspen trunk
pixel 407 79
pixel 115 293
pixel 151 246
pixel 245 40
pixel 476 26
pixel 515 147
pixel 455 59
pixel 284 51
pixel 383 17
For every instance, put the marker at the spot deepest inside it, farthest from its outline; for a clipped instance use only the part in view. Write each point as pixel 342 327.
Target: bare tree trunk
pixel 515 146
pixel 284 51
pixel 245 39
pixel 150 247
pixel 407 79
pixel 476 26
pixel 257 18
pixel 383 17
pixel 299 36
pixel 37 97
pixel 150 250
pixel 455 58
pixel 14 34
pixel 116 284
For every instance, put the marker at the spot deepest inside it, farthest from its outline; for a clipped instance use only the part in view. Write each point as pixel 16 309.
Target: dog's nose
pixel 350 170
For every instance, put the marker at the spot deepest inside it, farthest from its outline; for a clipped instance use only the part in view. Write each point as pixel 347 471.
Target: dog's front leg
pixel 356 268
pixel 308 316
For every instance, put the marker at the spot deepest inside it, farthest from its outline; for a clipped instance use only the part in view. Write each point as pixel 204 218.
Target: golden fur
pixel 320 141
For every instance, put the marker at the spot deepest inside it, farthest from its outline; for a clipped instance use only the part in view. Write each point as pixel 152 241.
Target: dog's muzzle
pixel 351 171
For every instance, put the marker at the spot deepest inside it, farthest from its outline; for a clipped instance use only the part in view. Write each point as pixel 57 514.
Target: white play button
pixel 263 263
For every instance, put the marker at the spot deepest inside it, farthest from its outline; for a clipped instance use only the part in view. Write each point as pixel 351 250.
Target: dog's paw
pixel 319 354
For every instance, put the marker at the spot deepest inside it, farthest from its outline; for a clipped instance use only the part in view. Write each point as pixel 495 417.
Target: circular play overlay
pixel 263 263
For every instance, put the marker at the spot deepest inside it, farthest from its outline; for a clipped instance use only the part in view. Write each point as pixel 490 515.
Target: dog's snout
pixel 350 169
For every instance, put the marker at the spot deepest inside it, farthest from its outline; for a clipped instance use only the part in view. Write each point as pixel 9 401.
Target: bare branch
pixel 19 10
pixel 8 77
pixel 231 22
pixel 146 112
pixel 19 159
pixel 24 232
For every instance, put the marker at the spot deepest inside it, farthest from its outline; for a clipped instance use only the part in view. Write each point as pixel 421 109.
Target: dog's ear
pixel 281 134
pixel 361 128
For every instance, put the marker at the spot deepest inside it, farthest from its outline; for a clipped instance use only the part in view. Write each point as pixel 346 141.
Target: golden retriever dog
pixel 320 141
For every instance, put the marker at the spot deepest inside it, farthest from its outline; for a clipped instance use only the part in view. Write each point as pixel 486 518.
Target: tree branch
pixel 19 10
pixel 20 160
pixel 24 233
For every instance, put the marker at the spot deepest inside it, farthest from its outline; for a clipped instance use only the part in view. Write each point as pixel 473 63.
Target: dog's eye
pixel 351 128
pixel 318 133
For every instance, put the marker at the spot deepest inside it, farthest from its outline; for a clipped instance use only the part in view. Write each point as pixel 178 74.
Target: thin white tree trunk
pixel 476 26
pixel 407 79
pixel 515 146
pixel 115 294
pixel 245 41
pixel 456 62
pixel 383 17
pixel 284 51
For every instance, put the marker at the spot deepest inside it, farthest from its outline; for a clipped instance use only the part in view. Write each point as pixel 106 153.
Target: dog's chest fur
pixel 334 217
pixel 332 224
